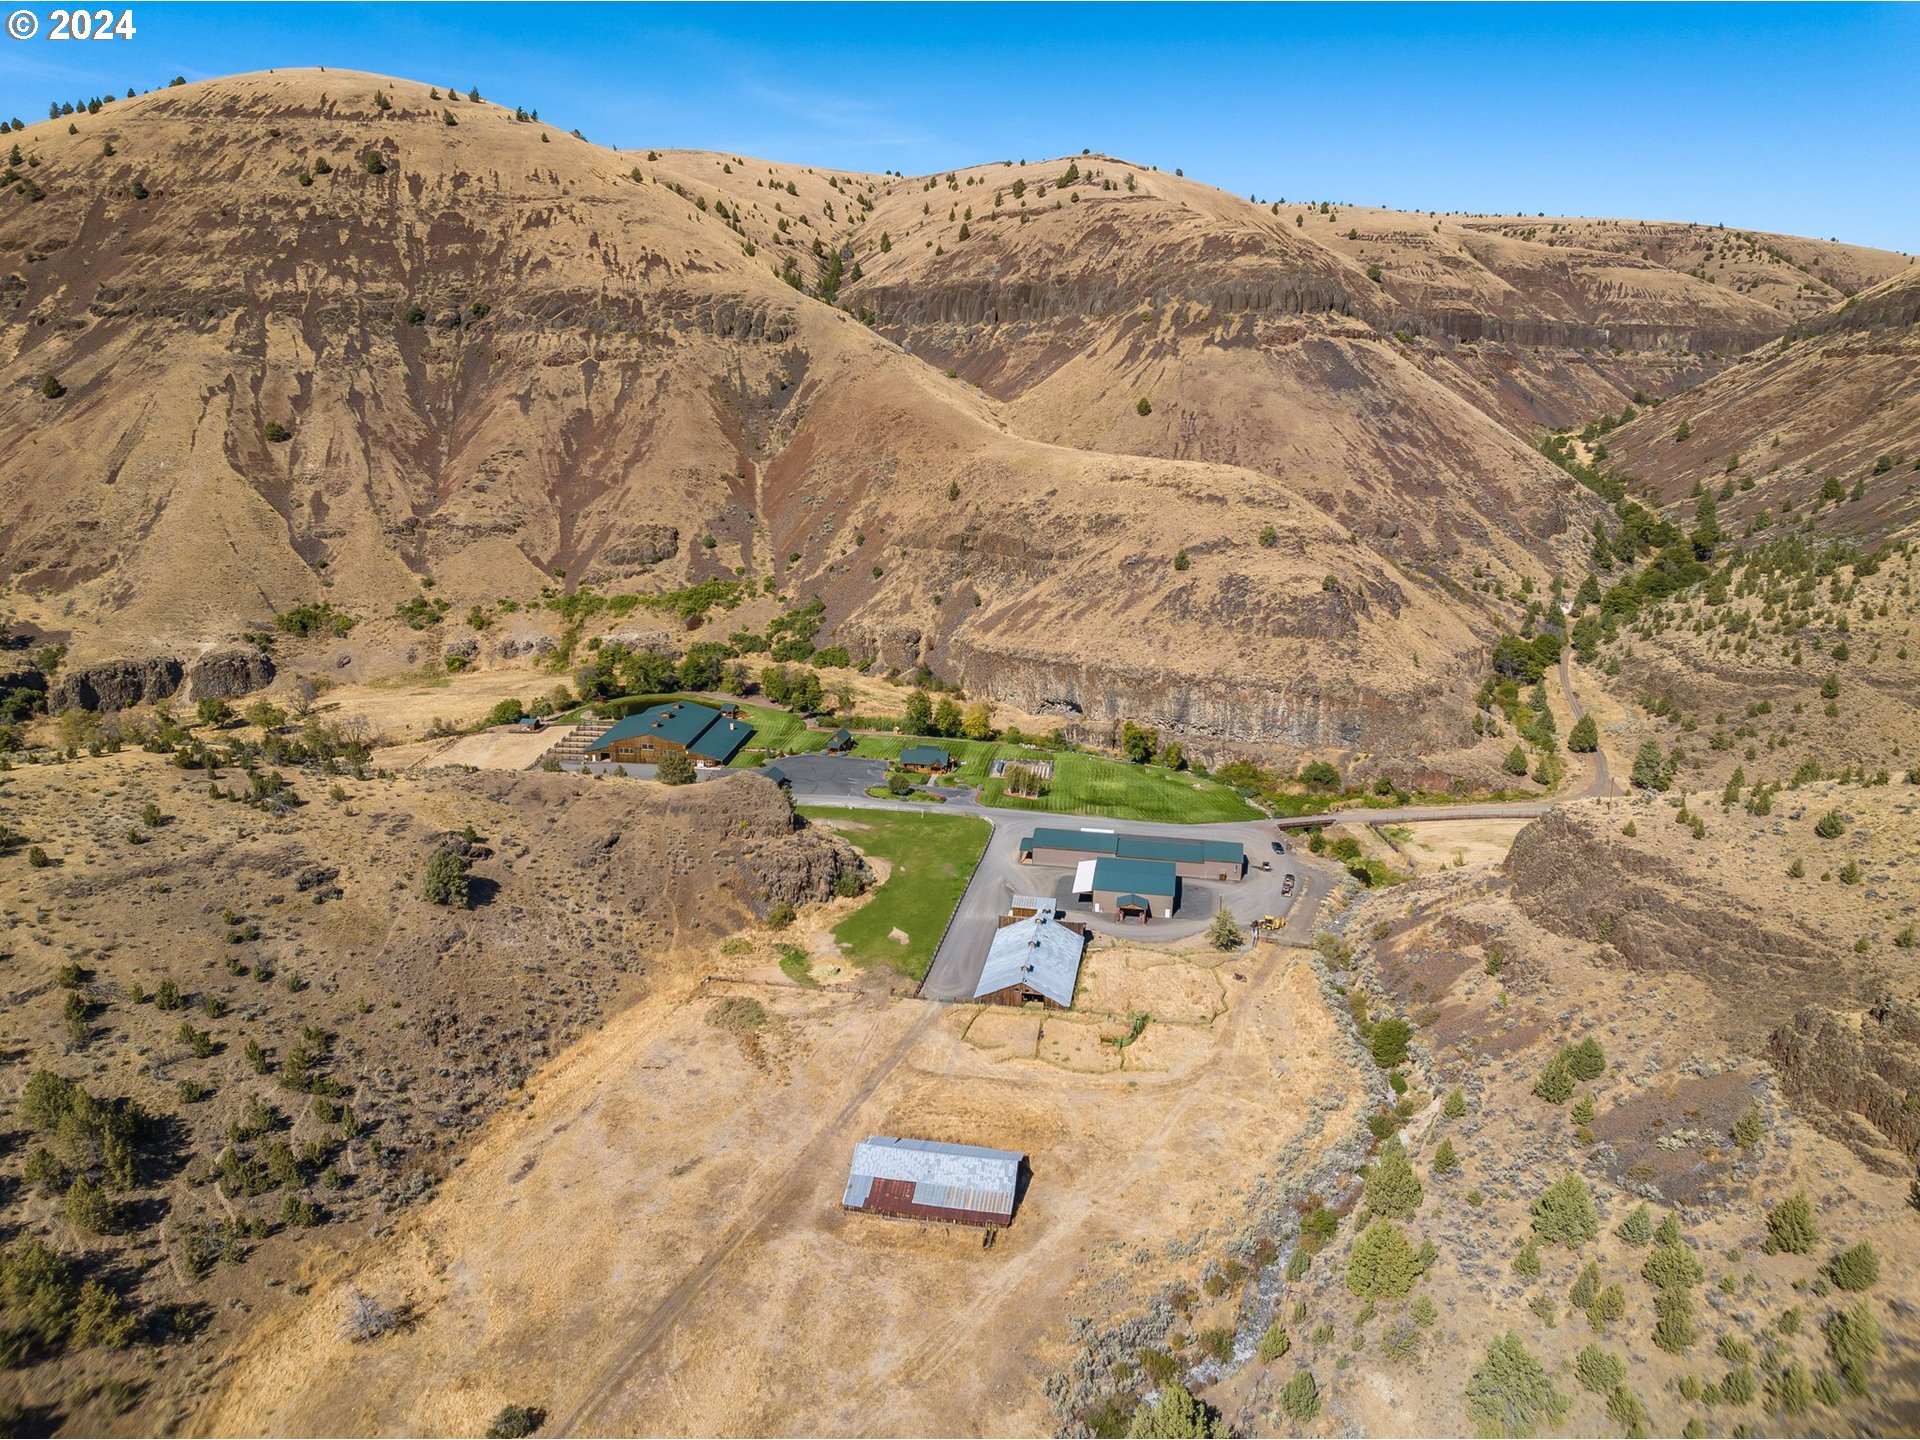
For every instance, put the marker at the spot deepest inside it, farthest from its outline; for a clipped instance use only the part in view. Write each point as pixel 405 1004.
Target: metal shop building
pixel 930 1180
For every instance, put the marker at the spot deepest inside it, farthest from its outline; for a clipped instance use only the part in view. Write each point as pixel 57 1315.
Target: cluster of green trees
pixel 1140 744
pixel 924 715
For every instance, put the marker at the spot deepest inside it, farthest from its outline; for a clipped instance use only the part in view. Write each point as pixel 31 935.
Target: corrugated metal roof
pixel 925 755
pixel 1147 877
pixel 1031 902
pixel 954 1177
pixel 1038 951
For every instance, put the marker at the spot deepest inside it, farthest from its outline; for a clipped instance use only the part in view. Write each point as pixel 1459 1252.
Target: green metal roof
pixel 1148 877
pixel 697 729
pixel 1137 847
pixel 1133 902
pixel 925 755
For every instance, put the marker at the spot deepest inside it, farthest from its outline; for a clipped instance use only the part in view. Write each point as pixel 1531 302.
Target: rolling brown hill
pixel 1259 333
pixel 313 348
pixel 1839 397
pixel 501 360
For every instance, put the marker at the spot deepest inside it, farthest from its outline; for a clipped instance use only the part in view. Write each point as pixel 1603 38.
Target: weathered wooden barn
pixel 1034 955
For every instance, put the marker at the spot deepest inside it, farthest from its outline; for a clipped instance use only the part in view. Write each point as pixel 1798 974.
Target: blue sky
pixel 1778 117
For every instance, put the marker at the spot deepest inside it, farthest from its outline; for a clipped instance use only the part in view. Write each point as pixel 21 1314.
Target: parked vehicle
pixel 1286 886
pixel 1279 847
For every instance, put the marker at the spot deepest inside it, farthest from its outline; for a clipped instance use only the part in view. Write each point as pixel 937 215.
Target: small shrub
pixel 516 1422
pixel 1300 1397
pixel 1158 1367
pixel 1600 1371
pixel 1637 1228
pixel 1854 1269
pixel 1790 1227
pixel 1564 1213
pixel 1510 1394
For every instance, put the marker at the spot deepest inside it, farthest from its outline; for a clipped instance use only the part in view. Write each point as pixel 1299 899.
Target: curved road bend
pixel 1599 785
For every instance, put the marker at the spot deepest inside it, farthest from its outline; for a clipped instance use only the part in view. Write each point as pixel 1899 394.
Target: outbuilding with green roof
pixel 1191 858
pixel 1130 889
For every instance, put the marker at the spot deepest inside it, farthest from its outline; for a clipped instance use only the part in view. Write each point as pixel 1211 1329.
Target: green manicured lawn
pixel 932 857
pixel 1082 784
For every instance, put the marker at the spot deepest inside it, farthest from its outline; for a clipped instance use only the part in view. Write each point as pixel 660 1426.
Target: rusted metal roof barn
pixel 929 1180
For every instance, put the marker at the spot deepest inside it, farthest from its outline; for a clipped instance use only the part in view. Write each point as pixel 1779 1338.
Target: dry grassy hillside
pixel 1550 320
pixel 501 364
pixel 1835 403
pixel 310 1042
pixel 1806 664
pixel 1613 1082
pixel 1246 343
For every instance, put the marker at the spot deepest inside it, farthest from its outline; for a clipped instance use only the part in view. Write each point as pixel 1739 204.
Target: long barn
pixel 931 1180
pixel 1191 859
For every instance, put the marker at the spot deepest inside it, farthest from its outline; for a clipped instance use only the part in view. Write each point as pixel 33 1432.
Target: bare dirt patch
pixel 748 1250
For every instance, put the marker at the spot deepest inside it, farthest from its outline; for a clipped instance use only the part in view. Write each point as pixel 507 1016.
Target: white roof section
pixel 1083 877
pixel 1039 952
pixel 956 1177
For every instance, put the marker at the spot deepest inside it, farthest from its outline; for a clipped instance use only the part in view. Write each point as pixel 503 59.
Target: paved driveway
pixel 957 963
pixel 823 779
pixel 843 780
